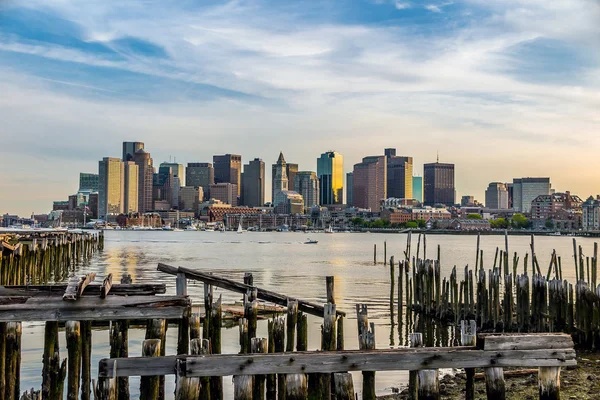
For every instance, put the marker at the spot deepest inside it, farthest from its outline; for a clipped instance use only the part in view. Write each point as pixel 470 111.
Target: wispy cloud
pixel 433 8
pixel 402 5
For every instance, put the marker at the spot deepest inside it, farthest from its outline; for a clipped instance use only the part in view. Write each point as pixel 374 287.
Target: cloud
pixel 433 8
pixel 402 5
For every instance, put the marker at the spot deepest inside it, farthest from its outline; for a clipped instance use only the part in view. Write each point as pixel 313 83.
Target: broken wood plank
pixel 90 290
pixel 228 284
pixel 527 342
pixel 339 361
pixel 76 286
pixel 106 286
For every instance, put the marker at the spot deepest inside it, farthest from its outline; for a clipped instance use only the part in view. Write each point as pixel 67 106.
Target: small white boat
pixel 191 228
pixel 310 241
pixel 177 230
pixel 329 229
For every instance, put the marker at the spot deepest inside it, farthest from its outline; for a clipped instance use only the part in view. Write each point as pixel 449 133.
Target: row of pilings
pixel 36 258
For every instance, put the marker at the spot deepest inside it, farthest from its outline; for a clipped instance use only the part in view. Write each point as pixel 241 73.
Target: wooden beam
pixel 340 361
pixel 106 286
pixel 527 342
pixel 228 284
pixel 76 286
pixel 90 309
pixel 90 290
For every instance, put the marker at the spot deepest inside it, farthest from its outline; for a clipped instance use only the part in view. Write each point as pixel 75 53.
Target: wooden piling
pixel 242 387
pixel 468 337
pixel 344 388
pixel 73 334
pixel 259 346
pixel 271 378
pixel 216 382
pixel 243 325
pixel 296 387
pixel 366 341
pixel 86 359
pixel 375 254
pixel 183 340
pixel 384 252
pixel 279 347
pixel 195 331
pixel 51 348
pixel 13 361
pixel 188 388
pixel 429 388
pixel 494 383
pixel 205 380
pixel 251 315
pixel 291 321
pixel 157 329
pixel 119 338
pixel 302 332
pixel 149 385
pixel 549 383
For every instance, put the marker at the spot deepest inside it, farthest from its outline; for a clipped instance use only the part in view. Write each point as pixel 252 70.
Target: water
pixel 282 263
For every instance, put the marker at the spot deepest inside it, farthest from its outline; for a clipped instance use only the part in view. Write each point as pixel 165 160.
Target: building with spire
pixel 279 178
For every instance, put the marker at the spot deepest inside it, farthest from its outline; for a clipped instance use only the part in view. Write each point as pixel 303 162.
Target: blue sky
pixel 502 88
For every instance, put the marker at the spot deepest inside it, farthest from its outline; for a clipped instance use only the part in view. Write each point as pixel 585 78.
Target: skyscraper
pixel 177 171
pixel 330 171
pixel 525 190
pixel 129 150
pixel 349 188
pixel 369 183
pixel 253 184
pixel 399 175
pixel 306 184
pixel 88 182
pixel 496 196
pixel 418 188
pixel 290 171
pixel 166 185
pixel 131 186
pixel 226 192
pixel 146 173
pixel 228 168
pixel 200 175
pixel 280 180
pixel 110 187
pixel 439 184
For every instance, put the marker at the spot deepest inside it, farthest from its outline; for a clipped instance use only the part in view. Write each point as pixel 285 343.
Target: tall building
pixel 590 209
pixel 190 198
pixel 468 200
pixel 291 170
pixel 146 174
pixel 228 168
pixel 131 186
pixel 496 196
pixel 129 150
pixel 369 183
pixel 399 175
pixel 438 182
pixel 200 175
pixel 349 184
pixel 253 184
pixel 225 192
pixel 418 188
pixel 110 187
pixel 177 171
pixel 88 182
pixel 289 202
pixel 280 179
pixel 166 186
pixel 306 184
pixel 330 171
pixel 525 190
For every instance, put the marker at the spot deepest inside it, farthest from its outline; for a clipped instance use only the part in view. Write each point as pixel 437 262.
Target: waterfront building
pixel 306 184
pixel 468 200
pixel 253 184
pixel 60 205
pixel 228 169
pixel 438 182
pixel 496 196
pixel 330 171
pixel 554 206
pixel 349 185
pixel 145 179
pixel 129 150
pixel 131 186
pixel 525 190
pixel 430 213
pixel 190 197
pixel 399 175
pixel 280 181
pixel 202 175
pixel 591 214
pixel 225 192
pixel 369 183
pixel 110 187
pixel 88 182
pixel 289 202
pixel 418 188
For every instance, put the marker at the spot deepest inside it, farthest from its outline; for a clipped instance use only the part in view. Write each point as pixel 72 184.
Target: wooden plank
pixel 527 342
pixel 90 290
pixel 76 286
pixel 228 284
pixel 106 286
pixel 89 309
pixel 339 361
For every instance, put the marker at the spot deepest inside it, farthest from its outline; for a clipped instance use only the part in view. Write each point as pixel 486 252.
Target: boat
pixel 190 228
pixel 556 233
pixel 177 230
pixel 329 229
pixel 310 241
pixel 240 230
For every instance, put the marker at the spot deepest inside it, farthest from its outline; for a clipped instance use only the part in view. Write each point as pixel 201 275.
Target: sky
pixel 501 88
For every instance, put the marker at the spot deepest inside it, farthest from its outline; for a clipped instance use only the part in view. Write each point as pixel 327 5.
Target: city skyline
pixel 502 89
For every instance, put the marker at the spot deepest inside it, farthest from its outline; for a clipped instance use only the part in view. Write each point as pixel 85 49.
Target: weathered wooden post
pixel 50 349
pixel 149 385
pixel 344 388
pixel 375 254
pixel 384 252
pixel 416 340
pixel 271 378
pixel 242 387
pixel 73 334
pixel 195 331
pixel 494 383
pixel 183 341
pixel 468 337
pixel 279 347
pixel 366 341
pixel 259 346
pixel 251 315
pixel 216 382
pixel 302 332
pixel 208 301
pixel 86 358
pixel 205 380
pixel 291 321
pixel 119 349
pixel 243 324
pixel 188 388
pixel 13 361
pixel 157 329
pixel 296 387
pixel 549 383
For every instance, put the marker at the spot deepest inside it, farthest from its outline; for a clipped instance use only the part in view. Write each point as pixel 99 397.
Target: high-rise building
pixel 525 190
pixel 129 150
pixel 88 182
pixel 228 168
pixel 253 184
pixel 166 185
pixel 190 198
pixel 349 187
pixel 418 188
pixel 225 192
pixel 590 210
pixel 200 175
pixel 306 184
pixel 330 171
pixel 146 174
pixel 496 196
pixel 110 187
pixel 438 182
pixel 370 182
pixel 279 178
pixel 399 175
pixel 177 171
pixel 131 186
pixel 291 170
